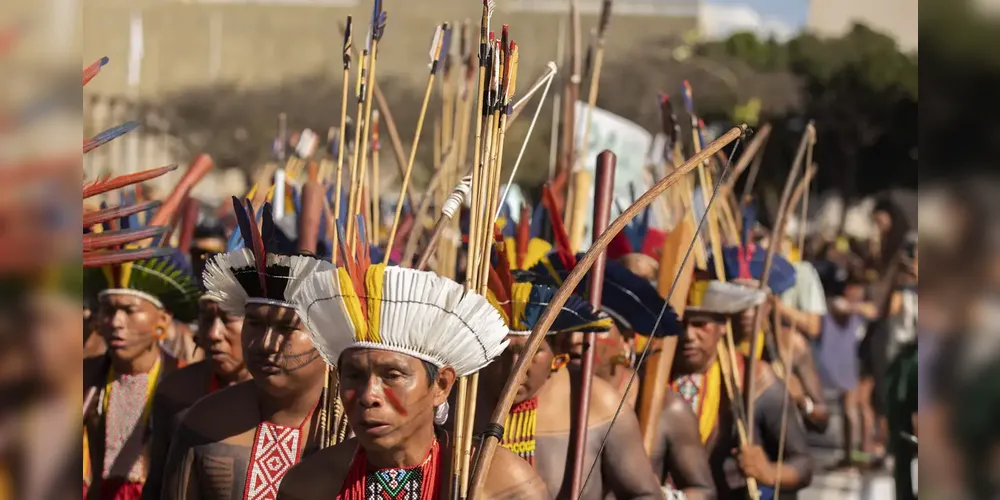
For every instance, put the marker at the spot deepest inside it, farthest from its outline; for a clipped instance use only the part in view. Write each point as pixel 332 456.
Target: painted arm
pixel 686 459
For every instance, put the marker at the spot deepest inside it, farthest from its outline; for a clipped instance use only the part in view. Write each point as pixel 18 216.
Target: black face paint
pixel 292 362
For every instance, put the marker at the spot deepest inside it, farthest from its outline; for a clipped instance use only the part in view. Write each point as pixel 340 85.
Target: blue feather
pixel 296 199
pixel 749 219
pixel 538 220
pixel 509 226
pixel 626 294
pixel 781 279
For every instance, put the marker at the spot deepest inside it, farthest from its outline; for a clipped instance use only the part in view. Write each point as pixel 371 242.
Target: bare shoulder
pixel 510 477
pixel 604 402
pixel 222 414
pixel 320 475
pixel 186 383
pixel 676 407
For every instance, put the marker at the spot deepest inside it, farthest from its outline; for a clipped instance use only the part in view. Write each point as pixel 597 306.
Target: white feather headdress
pixel 403 310
pixel 260 272
pixel 232 279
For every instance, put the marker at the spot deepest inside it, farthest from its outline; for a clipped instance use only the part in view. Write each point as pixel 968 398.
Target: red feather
pixel 257 245
pixel 100 186
pixel 563 248
pixel 501 282
pixel 522 236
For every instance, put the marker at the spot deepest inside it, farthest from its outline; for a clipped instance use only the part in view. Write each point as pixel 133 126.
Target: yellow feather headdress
pixel 360 305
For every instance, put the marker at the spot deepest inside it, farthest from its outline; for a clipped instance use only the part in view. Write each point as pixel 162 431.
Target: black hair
pixel 432 372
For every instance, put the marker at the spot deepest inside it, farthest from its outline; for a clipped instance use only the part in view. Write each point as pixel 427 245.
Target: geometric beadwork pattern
pixel 689 388
pixel 275 450
pixel 394 484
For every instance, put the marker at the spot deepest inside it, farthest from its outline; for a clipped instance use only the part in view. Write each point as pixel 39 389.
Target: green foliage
pixel 860 89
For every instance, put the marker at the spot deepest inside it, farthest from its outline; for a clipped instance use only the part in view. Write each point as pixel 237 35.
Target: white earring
pixel 441 413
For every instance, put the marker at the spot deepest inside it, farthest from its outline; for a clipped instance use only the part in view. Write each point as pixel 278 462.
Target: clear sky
pixel 790 12
pixel 780 18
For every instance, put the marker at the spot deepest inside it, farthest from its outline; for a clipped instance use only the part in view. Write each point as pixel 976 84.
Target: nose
pixel 118 319
pixel 270 341
pixel 215 334
pixel 370 394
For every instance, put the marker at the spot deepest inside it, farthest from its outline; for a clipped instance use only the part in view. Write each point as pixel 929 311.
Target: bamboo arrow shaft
pixel 409 166
pixel 569 285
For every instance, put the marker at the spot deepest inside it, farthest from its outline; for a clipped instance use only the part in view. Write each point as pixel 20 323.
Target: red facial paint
pixel 350 398
pixel 389 395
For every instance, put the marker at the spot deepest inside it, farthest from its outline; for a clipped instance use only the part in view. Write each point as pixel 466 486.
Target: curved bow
pixel 489 444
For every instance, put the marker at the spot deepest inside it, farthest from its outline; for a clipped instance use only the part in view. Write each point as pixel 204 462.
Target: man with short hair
pixel 137 302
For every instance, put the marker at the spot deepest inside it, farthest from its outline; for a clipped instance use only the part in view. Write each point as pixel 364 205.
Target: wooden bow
pixel 489 444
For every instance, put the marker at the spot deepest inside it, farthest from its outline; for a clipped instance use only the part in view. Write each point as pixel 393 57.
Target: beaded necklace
pixel 412 483
pixel 519 429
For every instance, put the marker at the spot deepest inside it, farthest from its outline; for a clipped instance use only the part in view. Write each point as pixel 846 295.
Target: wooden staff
pixel 603 195
pixel 197 170
pixel 312 211
pixel 569 285
pixel 376 34
pixel 674 283
pixel 189 220
pixel 807 137
pixel 437 43
pixel 595 78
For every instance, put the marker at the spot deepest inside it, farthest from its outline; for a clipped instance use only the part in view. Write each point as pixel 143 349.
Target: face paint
pixel 350 398
pixel 394 401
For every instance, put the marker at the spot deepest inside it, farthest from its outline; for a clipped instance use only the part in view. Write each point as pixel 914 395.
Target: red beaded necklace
pixel 364 482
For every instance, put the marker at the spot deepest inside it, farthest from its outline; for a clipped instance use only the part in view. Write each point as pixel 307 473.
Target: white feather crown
pixel 403 310
pixel 234 279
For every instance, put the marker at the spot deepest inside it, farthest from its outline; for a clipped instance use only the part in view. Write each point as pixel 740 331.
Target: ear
pixel 164 319
pixel 442 386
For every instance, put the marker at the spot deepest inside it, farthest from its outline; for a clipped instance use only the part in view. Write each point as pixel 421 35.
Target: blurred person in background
pixel 49 432
pixel 957 357
pixel 894 293
pixel 220 338
pixel 836 350
pixel 137 302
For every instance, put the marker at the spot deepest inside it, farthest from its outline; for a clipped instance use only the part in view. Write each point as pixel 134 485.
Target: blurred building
pixel 194 43
pixel 897 18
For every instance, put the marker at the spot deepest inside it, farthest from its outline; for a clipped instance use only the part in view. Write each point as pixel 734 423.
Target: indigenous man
pixel 399 338
pixel 698 378
pixel 745 265
pixel 238 442
pixel 539 426
pixel 136 304
pixel 220 336
pixel 634 304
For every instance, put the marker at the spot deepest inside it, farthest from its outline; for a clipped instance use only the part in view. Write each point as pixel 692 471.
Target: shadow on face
pixel 220 335
pixel 389 396
pixel 538 371
pixel 702 332
pixel 277 350
pixel 130 324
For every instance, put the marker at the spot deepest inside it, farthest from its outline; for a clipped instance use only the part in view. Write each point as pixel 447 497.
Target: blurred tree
pixel 862 92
